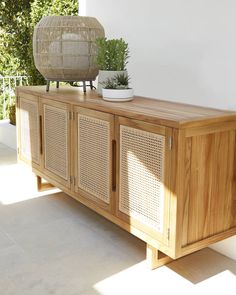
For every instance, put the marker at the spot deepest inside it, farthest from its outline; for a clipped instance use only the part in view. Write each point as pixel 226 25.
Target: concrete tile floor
pixel 51 244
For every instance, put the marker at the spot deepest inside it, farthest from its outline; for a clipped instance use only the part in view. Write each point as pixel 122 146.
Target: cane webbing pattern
pixel 55 140
pixel 29 131
pixel 94 156
pixel 142 157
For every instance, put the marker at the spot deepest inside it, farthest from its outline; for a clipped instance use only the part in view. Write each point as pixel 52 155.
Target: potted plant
pixel 112 58
pixel 117 88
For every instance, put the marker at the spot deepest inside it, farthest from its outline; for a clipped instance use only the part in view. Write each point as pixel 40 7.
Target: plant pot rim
pixel 117 88
pixel 118 95
pixel 113 70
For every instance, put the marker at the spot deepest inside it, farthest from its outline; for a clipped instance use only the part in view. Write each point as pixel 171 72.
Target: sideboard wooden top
pixel 156 111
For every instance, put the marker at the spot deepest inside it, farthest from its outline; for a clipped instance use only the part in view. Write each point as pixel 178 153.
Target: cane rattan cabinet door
pixel 56 140
pixel 144 163
pixel 94 156
pixel 28 128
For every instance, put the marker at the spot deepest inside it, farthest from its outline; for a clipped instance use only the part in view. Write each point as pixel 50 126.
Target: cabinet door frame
pixel 86 196
pixel 21 157
pixel 66 107
pixel 158 129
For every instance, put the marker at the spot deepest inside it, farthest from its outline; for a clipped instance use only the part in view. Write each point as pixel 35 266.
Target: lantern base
pixel 84 84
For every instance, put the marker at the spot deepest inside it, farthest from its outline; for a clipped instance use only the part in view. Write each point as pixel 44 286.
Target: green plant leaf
pixel 112 54
pixel 119 81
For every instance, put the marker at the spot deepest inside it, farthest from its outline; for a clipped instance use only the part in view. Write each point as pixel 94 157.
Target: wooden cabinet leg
pixel 41 186
pixel 156 258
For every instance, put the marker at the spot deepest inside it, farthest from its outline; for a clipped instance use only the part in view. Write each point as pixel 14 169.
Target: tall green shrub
pixel 15 35
pixel 112 54
pixel 17 21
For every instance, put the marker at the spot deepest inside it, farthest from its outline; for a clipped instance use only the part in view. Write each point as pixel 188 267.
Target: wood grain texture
pixel 178 192
pixel 200 174
pixel 233 209
pixel 187 163
pixel 156 258
pixel 42 186
pixel 173 188
pixel 156 111
pixel 208 185
pixel 206 242
pixel 210 128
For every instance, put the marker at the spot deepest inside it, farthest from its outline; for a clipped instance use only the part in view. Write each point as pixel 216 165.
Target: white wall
pixel 181 50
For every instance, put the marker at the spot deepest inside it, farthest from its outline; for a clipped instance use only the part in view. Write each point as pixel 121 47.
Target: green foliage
pixel 1 107
pixel 112 55
pixel 5 99
pixel 17 21
pixel 119 81
pixel 40 8
pixel 8 63
pixel 14 37
pixel 12 113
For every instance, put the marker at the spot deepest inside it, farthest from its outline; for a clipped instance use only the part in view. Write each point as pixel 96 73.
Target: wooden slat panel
pixel 210 180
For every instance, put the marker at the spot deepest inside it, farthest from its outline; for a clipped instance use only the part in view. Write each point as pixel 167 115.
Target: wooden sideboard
pixel 163 171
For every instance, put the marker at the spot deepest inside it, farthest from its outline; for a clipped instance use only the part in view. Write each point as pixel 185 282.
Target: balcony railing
pixel 7 92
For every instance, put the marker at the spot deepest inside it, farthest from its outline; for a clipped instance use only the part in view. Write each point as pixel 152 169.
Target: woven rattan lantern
pixel 64 48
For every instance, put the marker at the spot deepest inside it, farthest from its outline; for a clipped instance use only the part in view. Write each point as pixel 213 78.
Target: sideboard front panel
pixel 29 130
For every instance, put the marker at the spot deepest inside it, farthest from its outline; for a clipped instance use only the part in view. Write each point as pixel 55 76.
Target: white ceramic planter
pixel 104 75
pixel 117 94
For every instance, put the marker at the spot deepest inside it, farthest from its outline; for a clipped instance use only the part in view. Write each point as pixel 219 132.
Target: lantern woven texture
pixel 64 47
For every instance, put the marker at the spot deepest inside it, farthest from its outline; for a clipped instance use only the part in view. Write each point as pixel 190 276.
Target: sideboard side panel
pixel 208 195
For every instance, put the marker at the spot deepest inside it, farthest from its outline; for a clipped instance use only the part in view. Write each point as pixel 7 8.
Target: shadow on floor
pixel 54 245
pixel 202 265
